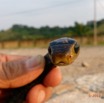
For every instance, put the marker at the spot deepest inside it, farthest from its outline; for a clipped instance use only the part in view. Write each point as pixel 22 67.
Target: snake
pixel 61 52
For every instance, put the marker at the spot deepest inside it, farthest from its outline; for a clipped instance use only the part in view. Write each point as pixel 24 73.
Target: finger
pixel 2 58
pixel 21 72
pixel 53 78
pixel 48 91
pixel 5 57
pixel 14 57
pixel 38 94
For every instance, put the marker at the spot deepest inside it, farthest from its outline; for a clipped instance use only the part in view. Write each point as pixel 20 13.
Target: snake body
pixel 61 52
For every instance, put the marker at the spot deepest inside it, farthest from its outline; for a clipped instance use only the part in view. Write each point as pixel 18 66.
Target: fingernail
pixel 35 61
pixel 41 96
pixel 38 59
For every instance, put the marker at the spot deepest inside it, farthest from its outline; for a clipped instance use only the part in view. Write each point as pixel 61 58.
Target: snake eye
pixel 76 47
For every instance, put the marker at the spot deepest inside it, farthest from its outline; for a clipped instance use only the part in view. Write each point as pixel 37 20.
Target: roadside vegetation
pixel 23 32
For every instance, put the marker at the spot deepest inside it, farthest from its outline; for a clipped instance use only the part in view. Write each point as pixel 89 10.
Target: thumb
pixel 21 72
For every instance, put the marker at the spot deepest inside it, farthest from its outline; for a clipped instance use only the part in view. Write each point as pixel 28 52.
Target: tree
pixel 79 30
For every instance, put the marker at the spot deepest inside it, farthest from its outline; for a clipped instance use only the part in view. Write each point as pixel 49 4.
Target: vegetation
pixel 22 32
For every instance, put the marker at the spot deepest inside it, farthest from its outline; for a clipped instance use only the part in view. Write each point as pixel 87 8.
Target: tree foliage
pixel 23 32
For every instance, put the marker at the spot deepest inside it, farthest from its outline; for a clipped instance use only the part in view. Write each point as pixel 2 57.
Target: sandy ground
pixel 71 89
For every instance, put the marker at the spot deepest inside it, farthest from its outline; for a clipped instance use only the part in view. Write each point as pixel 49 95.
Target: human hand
pixel 17 71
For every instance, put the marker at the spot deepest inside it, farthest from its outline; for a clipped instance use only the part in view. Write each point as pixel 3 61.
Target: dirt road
pixel 83 81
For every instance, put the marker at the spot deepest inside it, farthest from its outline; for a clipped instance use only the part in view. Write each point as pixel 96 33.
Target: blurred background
pixel 27 27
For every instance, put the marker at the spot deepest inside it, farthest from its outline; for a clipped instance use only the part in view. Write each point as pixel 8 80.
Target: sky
pixel 38 13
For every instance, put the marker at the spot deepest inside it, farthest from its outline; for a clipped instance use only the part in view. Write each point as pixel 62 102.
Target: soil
pixel 75 89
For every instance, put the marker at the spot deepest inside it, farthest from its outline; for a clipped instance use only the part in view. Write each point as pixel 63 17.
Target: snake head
pixel 63 51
